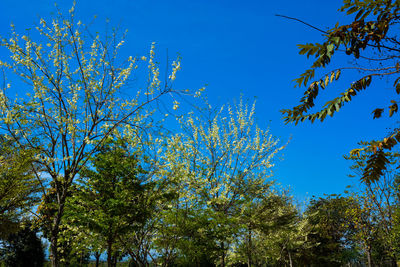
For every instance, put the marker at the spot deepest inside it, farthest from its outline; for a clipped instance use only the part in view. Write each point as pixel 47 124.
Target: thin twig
pixel 301 21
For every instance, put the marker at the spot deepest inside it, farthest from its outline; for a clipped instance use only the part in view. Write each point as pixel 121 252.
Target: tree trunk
pixel 109 253
pixel 81 260
pixel 53 250
pixel 290 259
pixel 369 257
pixel 249 263
pixel 55 229
pixel 97 256
pixel 61 193
pixel 394 262
pixel 115 259
pixel 223 254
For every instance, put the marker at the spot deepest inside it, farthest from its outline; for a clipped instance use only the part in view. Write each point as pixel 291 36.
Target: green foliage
pixel 396 216
pixel 270 230
pixel 74 102
pixel 193 234
pixel 108 201
pixel 221 164
pixel 371 39
pixel 331 236
pixel 23 248
pixel 373 216
pixel 18 185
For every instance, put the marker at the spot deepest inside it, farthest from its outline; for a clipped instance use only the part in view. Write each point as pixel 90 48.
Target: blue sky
pixel 237 47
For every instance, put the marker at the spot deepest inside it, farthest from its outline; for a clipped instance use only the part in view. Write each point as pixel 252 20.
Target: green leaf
pixel 337 106
pixel 330 48
pixel 336 40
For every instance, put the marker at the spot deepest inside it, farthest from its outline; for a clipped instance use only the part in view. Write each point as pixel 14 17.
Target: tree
pixel 111 192
pixel 331 235
pixel 23 248
pixel 371 40
pixel 396 216
pixel 223 161
pixel 266 231
pixel 374 214
pixel 187 237
pixel 74 102
pixel 114 205
pixel 156 198
pixel 18 187
pixel 110 199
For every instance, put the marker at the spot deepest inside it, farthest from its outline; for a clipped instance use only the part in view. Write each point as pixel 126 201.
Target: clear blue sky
pixel 240 47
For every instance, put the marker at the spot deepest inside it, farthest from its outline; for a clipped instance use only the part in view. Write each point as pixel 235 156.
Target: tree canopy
pixel 90 165
pixel 372 41
pixel 74 100
pixel 19 188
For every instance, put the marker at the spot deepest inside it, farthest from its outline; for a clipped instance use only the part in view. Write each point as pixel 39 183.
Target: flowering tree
pixel 224 160
pixel 73 102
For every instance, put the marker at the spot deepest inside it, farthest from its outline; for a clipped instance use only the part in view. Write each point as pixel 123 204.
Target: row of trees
pixel 116 210
pixel 89 165
pixel 359 227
